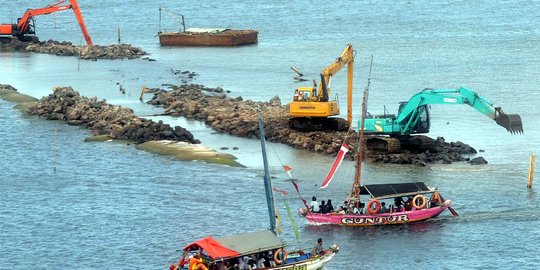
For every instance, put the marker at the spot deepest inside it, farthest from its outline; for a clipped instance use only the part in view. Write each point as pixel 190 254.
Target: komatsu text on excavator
pixel 311 108
pixel 413 117
pixel 24 29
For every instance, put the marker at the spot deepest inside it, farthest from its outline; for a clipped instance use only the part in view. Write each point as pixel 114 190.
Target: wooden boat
pixel 233 251
pixel 418 207
pixel 208 37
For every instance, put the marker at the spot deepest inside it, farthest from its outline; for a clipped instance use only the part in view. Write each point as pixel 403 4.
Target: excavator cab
pixel 423 122
pixel 305 94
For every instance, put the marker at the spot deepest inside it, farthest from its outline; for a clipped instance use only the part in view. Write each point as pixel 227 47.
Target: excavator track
pixel 383 144
pixel 318 124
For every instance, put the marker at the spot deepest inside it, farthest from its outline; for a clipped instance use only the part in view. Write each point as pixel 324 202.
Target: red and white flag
pixel 342 151
pixel 288 170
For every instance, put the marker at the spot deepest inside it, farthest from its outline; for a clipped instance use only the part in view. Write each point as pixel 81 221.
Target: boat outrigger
pixel 417 207
pixel 263 247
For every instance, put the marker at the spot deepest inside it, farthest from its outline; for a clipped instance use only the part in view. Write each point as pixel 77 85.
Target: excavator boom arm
pixel 24 22
pixel 407 116
pixel 346 58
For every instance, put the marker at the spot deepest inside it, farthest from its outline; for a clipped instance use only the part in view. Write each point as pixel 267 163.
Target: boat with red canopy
pixel 264 249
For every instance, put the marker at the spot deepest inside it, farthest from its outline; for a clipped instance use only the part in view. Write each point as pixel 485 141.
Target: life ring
pixel 377 207
pixel 421 205
pixel 277 255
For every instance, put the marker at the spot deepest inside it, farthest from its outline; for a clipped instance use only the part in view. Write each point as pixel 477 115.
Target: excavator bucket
pixel 512 122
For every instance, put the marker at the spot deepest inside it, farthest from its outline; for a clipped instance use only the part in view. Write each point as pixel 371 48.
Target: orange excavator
pixel 24 28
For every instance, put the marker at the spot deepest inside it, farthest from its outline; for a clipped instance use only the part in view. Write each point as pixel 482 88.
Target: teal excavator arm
pixel 413 116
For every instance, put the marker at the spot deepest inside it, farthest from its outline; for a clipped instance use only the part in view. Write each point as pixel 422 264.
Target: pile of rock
pixel 115 51
pixel 422 150
pixel 105 119
pixel 239 118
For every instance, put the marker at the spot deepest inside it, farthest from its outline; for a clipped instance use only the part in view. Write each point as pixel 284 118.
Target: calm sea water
pixel 65 203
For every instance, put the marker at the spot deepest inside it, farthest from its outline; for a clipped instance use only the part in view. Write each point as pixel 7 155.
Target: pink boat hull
pixel 376 219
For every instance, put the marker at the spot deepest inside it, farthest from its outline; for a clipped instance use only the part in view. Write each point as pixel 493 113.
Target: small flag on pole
pixel 283 192
pixel 342 151
pixel 288 170
pixel 298 191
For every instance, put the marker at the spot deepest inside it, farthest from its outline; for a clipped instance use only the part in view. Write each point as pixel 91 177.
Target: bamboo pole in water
pixel 142 93
pixel 531 171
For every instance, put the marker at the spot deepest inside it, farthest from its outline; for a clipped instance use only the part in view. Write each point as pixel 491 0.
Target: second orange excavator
pixel 24 29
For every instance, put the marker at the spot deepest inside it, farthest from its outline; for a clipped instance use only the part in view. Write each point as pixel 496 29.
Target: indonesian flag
pixel 342 151
pixel 288 170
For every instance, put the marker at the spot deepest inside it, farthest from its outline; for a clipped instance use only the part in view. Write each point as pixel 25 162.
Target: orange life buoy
pixel 277 255
pixel 422 204
pixel 377 206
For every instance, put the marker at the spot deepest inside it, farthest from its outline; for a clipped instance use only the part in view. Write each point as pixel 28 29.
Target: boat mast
pixel 267 182
pixel 360 151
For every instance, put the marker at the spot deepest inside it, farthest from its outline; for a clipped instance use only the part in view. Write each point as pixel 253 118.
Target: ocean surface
pixel 65 203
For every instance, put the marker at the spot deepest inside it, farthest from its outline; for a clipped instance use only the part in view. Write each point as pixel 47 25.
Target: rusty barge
pixel 208 37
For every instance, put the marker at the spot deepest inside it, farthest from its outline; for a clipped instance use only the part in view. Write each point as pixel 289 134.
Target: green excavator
pixel 388 132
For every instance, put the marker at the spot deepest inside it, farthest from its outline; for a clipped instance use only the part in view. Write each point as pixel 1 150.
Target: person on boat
pixel 383 208
pixel 261 260
pixel 269 259
pixel 318 248
pixel 398 202
pixel 409 204
pixel 314 205
pixel 196 263
pixel 435 201
pixel 356 209
pixel 252 263
pixel 323 207
pixel 340 210
pixel 329 206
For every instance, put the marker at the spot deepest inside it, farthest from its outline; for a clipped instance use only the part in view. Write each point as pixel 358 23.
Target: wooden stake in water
pixel 531 171
pixel 118 33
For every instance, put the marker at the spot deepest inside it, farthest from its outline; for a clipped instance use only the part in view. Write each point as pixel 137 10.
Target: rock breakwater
pixel 94 52
pixel 237 117
pixel 101 118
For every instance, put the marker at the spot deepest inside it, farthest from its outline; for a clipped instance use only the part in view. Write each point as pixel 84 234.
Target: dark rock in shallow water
pixel 478 161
